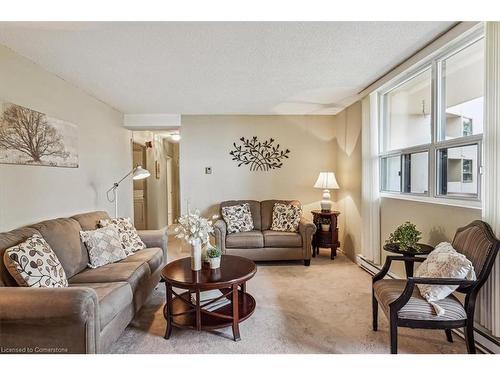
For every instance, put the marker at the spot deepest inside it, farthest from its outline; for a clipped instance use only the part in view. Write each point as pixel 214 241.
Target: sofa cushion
pixel 63 236
pixel 266 211
pixel 238 218
pixel 417 308
pixel 32 263
pixel 281 239
pixel 104 246
pixel 254 209
pixel 153 256
pixel 132 272
pixel 90 220
pixel 131 242
pixel 9 239
pixel 286 217
pixel 245 240
pixel 112 297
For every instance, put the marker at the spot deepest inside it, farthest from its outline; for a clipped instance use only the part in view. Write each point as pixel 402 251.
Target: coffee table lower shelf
pixel 183 315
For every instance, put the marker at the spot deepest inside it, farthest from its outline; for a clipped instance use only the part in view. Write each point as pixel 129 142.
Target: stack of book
pixel 208 295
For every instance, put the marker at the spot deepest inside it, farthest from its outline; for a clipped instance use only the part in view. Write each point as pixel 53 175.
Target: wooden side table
pixel 325 238
pixel 423 250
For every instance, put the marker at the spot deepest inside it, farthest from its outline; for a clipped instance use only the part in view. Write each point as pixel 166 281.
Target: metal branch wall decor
pixel 260 156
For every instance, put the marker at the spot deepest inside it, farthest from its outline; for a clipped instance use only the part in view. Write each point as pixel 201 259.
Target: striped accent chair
pixel 403 305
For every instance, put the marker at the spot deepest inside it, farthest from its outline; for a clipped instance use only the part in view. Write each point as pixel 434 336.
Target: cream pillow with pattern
pixel 443 262
pixel 33 263
pixel 130 240
pixel 238 218
pixel 104 246
pixel 286 217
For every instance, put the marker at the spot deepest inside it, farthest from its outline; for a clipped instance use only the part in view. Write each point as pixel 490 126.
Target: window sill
pixel 476 205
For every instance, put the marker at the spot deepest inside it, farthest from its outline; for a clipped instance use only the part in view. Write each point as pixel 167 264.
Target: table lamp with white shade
pixel 326 181
pixel 138 173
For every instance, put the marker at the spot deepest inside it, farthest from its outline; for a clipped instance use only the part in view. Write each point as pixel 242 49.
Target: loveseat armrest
pixel 155 238
pixel 49 320
pixel 307 230
pixel 220 231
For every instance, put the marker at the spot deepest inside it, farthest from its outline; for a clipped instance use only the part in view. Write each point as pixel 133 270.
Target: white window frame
pixel 433 62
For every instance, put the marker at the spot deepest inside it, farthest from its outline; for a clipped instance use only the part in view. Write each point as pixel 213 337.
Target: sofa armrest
pixel 220 231
pixel 49 320
pixel 155 238
pixel 307 230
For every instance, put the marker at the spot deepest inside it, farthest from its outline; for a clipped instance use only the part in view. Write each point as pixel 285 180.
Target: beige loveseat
pixel 90 314
pixel 263 243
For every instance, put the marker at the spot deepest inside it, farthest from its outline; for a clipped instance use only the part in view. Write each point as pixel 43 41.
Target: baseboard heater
pixel 484 341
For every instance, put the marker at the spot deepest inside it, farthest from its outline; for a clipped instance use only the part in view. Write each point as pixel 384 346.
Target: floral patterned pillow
pixel 104 246
pixel 238 218
pixel 443 261
pixel 33 263
pixel 286 217
pixel 131 242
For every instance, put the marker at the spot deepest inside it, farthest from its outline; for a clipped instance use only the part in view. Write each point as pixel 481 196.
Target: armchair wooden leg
pixel 394 336
pixel 374 312
pixel 449 337
pixel 307 262
pixel 469 337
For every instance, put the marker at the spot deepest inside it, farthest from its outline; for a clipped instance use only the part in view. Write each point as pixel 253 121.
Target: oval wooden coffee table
pixel 230 279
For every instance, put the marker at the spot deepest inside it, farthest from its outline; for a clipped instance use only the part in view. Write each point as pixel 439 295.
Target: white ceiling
pixel 220 67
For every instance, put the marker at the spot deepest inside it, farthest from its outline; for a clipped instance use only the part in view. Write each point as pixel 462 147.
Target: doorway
pixel 140 188
pixel 156 200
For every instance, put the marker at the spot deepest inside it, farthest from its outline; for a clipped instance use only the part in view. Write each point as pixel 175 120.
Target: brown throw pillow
pixel 33 263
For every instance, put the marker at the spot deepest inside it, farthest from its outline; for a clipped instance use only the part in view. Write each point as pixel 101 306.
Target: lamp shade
pixel 326 180
pixel 140 173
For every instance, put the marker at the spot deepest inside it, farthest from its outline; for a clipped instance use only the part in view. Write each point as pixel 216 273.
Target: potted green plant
pixel 214 255
pixel 325 224
pixel 406 237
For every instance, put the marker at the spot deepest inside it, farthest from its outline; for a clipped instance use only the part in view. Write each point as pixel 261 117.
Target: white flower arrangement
pixel 193 227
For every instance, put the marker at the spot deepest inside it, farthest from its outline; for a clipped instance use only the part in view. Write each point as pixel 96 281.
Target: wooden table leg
pixel 236 314
pixel 168 310
pixel 409 268
pixel 333 252
pixel 198 311
pixel 244 287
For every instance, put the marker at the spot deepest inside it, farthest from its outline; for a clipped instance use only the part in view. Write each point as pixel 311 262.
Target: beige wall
pixel 436 222
pixel 207 140
pixel 32 193
pixel 348 171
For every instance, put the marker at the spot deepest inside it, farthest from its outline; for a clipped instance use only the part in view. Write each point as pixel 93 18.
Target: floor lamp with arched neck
pixel 138 173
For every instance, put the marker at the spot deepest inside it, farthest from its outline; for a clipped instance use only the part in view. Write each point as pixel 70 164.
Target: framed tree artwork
pixel 30 137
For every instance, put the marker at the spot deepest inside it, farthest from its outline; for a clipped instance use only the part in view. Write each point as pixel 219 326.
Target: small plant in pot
pixel 214 255
pixel 325 224
pixel 406 237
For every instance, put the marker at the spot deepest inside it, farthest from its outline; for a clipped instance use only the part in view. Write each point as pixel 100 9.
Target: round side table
pixel 181 311
pixel 394 248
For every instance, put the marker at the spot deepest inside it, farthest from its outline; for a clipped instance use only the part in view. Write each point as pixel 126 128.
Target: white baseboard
pixel 484 341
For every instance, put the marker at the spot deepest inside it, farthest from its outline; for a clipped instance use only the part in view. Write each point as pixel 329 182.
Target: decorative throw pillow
pixel 443 262
pixel 238 218
pixel 130 240
pixel 104 246
pixel 33 263
pixel 286 217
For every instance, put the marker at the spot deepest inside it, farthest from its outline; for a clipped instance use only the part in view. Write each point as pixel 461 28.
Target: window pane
pixel 458 171
pixel 391 173
pixel 416 173
pixel 464 86
pixel 408 113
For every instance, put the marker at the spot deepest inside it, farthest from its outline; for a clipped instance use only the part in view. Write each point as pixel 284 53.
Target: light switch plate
pixel 208 170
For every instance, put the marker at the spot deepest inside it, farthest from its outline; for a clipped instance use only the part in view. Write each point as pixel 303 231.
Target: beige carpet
pixel 324 308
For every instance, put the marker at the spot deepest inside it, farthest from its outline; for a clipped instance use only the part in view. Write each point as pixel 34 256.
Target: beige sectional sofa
pixel 90 314
pixel 263 243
